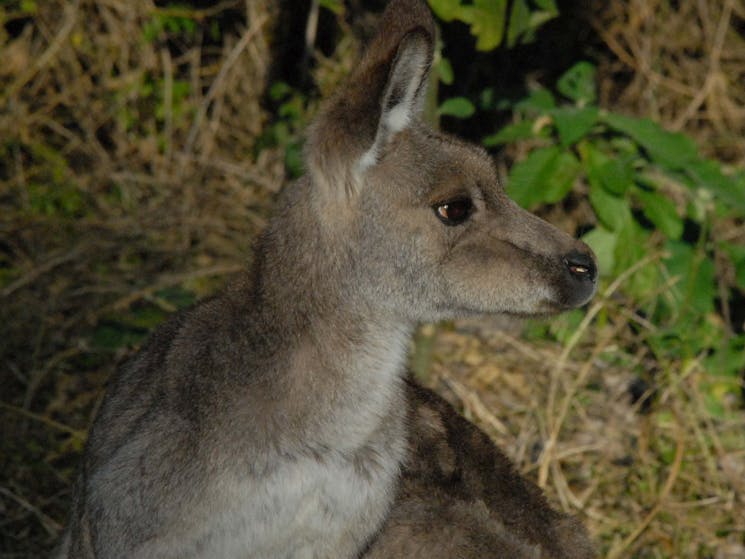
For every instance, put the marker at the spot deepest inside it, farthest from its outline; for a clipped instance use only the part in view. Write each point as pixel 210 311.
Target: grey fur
pixel 273 419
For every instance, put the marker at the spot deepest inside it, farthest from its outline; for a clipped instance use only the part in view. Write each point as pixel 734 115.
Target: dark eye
pixel 454 212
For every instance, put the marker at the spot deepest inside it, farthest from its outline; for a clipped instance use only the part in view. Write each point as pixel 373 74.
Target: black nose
pixel 581 266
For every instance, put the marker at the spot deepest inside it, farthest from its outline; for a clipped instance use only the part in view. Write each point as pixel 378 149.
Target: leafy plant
pixel 651 192
pixel 334 6
pixel 172 20
pixel 292 114
pixel 459 107
pixel 492 26
pixel 490 23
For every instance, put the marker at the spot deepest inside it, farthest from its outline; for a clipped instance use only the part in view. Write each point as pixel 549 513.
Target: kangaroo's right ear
pixel 381 98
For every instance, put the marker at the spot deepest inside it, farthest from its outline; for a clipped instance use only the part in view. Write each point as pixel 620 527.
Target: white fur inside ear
pixel 403 96
pixel 393 122
pixel 398 117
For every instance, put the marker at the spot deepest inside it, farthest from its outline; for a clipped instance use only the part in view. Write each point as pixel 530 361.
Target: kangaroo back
pixel 271 421
pixel 460 496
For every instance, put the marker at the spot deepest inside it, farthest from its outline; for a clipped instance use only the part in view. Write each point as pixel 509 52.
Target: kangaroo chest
pixel 324 500
pixel 306 509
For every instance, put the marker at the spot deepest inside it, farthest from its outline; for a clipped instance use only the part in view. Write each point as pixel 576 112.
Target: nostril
pixel 581 265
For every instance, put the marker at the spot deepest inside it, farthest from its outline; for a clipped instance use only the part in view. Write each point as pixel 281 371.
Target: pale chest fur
pixel 308 509
pixel 316 503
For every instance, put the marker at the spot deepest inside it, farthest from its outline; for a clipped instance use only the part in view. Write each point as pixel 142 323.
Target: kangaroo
pixel 276 420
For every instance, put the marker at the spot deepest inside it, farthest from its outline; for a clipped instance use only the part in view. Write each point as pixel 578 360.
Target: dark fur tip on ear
pixel 405 15
pixel 400 18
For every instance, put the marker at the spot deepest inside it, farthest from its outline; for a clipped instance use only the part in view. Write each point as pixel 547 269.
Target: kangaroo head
pixel 428 228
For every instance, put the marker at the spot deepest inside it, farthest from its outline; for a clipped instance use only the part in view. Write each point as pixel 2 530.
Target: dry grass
pixel 130 177
pixel 680 63
pixel 134 174
pixel 670 483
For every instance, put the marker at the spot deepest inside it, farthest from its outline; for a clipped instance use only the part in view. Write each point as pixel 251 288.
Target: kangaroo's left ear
pixel 382 97
pixel 404 93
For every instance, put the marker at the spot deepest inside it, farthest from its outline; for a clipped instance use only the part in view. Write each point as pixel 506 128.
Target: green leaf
pixel 335 6
pixel 445 71
pixel 446 10
pixel 545 176
pixel 459 107
pixel 611 210
pixel 670 149
pixel 145 317
pixel 613 174
pixel 528 178
pixel 487 99
pixel 623 146
pixel 708 174
pixel 573 123
pixel 538 101
pixel 728 360
pixel 593 159
pixel 617 175
pixel 630 249
pixel 112 335
pixel 603 243
pixel 564 173
pixel 695 290
pixel 178 296
pixel 724 366
pixel 717 390
pixel 736 254
pixel 526 18
pixel 548 6
pixel 488 22
pixel 486 19
pixel 28 6
pixel 519 21
pixel 578 83
pixel 565 325
pixel 661 211
pixel 546 11
pixel 279 90
pixel 294 159
pixel 539 17
pixel 522 130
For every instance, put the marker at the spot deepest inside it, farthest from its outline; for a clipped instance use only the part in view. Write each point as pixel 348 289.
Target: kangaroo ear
pixel 381 98
pixel 404 93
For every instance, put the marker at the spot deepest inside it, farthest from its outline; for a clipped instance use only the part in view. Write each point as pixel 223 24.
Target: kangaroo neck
pixel 342 357
pixel 308 277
